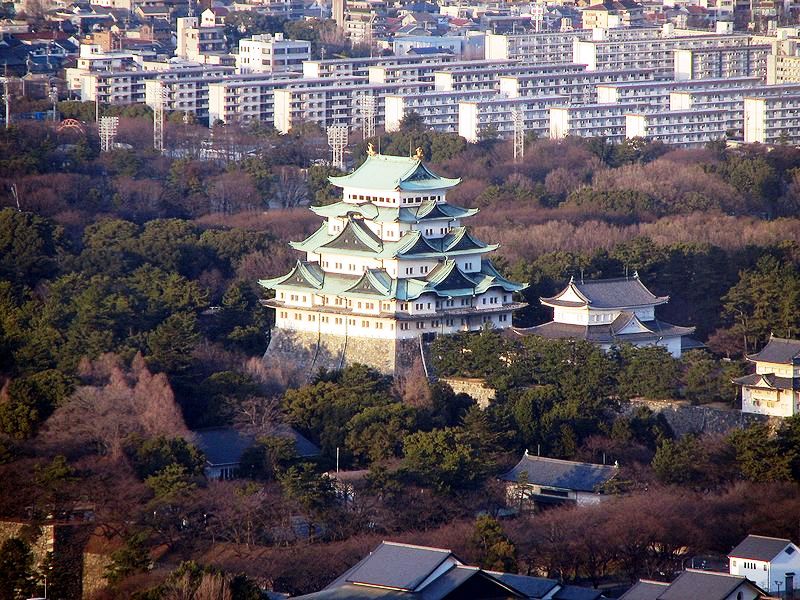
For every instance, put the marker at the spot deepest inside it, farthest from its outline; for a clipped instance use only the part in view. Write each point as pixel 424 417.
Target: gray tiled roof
pixel 645 590
pixel 398 566
pixel 532 587
pixel 565 474
pixel 573 592
pixel 225 445
pixel 613 293
pixel 778 350
pixel 770 380
pixel 757 547
pixel 704 585
pixel 604 333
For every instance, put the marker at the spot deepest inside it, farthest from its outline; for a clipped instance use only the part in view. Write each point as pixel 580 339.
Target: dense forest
pixel 130 317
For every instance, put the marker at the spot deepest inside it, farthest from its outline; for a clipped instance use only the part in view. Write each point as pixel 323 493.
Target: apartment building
pixel 425 71
pixel 655 52
pixel 253 97
pixel 783 68
pixel 657 93
pixel 439 109
pixel 681 127
pixel 772 119
pixel 580 87
pixel 128 87
pixel 335 104
pixel 591 120
pixel 534 47
pixel 348 67
pixel 271 54
pixel 497 114
pixel 198 43
pixel 450 78
pixel 708 63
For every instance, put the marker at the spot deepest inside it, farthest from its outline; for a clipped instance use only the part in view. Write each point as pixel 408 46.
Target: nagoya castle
pixel 391 266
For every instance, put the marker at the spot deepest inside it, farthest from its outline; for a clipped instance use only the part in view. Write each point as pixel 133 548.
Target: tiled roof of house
pixel 398 566
pixel 383 172
pixel 605 333
pixel 778 350
pixel 608 293
pixel 704 585
pixel 533 587
pixel 645 590
pixel 759 547
pixel 769 381
pixel 565 474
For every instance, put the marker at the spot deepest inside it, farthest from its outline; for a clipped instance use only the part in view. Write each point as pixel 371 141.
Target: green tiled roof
pixel 387 214
pixel 358 239
pixel 446 281
pixel 381 172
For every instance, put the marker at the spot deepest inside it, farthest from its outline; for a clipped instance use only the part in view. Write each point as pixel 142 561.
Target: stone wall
pixel 41 538
pixel 474 388
pixel 308 352
pixel 684 418
pixel 93 576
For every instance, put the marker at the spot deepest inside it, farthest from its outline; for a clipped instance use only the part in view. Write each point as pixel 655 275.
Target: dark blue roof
pixel 573 592
pixel 533 587
pixel 564 474
pixel 225 445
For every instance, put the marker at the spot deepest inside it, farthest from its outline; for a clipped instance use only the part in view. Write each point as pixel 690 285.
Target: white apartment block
pixel 591 120
pixel 580 87
pixel 772 120
pixel 657 93
pixel 708 63
pixel 439 110
pixel 198 43
pixel 271 54
pixel 650 53
pixel 783 68
pixel 335 104
pixel 427 71
pixel 128 87
pixel 487 77
pixel 534 47
pixel 681 127
pixel 349 67
pixel 253 97
pixel 476 117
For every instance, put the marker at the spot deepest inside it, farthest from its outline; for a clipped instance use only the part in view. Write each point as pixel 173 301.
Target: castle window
pixel 404 326
pixel 378 325
pixel 420 325
pixel 365 324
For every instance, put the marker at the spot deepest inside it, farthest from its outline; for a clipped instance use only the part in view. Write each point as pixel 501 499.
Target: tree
pixel 149 456
pixel 26 402
pixel 759 454
pixel 16 569
pixel 680 462
pixel 648 371
pixel 29 246
pixel 171 344
pixel 496 552
pixel 377 432
pixel 445 459
pixel 131 558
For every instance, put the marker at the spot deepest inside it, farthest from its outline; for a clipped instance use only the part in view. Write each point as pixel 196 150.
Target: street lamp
pixel 54 99
pixel 778 583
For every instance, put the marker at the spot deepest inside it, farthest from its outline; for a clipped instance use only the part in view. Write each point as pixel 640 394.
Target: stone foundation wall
pixel 308 352
pixel 474 388
pixel 94 569
pixel 685 418
pixel 41 538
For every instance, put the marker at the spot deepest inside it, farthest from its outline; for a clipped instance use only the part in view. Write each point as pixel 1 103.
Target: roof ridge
pixel 415 546
pixel 563 460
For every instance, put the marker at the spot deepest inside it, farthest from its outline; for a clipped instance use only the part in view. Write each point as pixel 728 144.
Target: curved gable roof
pixel 386 172
pixel 607 293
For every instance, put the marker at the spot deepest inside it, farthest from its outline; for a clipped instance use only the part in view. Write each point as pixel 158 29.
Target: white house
pixel 771 563
pixel 774 389
pixel 611 312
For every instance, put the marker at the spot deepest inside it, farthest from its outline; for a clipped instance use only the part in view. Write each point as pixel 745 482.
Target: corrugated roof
pixel 704 585
pixel 645 590
pixel 398 566
pixel 778 350
pixel 565 474
pixel 759 547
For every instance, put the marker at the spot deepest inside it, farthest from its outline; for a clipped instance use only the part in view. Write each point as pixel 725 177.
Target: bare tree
pixel 291 188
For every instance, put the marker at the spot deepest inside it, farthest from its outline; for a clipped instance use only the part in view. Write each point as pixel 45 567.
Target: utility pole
pixel 337 140
pixel 7 98
pixel 158 118
pixel 518 120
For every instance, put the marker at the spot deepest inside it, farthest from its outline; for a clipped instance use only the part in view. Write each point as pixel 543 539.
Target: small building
pixel 267 53
pixel 224 447
pixel 610 312
pixel 693 584
pixel 552 480
pixel 613 13
pixel 395 571
pixel 771 563
pixel 774 389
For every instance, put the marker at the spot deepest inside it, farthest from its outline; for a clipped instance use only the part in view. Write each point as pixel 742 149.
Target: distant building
pixel 774 389
pixel 224 447
pixel 611 312
pixel 555 481
pixel 770 563
pixel 199 43
pixel 613 13
pixel 394 571
pixel 696 585
pixel 271 53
